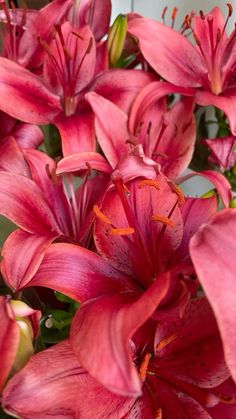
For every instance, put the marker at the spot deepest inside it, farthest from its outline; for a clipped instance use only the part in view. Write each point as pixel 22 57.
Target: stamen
pixel 202 16
pixel 65 49
pixel 164 13
pixel 173 16
pixel 178 192
pixel 230 11
pixel 52 175
pixel 122 231
pixel 149 182
pixel 144 366
pixel 226 399
pixel 101 216
pixel 230 7
pixel 164 220
pixel 159 414
pixel 164 342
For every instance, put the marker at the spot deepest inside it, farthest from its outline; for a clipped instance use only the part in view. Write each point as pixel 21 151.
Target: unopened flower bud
pixel 116 39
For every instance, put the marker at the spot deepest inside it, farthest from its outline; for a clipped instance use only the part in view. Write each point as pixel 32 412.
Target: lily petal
pixel 213 254
pixel 24 96
pixel 115 319
pixel 66 391
pixel 82 161
pixel 176 61
pixel 22 201
pixel 90 276
pixel 221 184
pixel 226 102
pixel 111 128
pixel 22 254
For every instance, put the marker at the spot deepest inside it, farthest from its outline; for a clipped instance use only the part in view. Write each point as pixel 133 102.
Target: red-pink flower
pixel 143 235
pixel 43 207
pixel 206 67
pixel 179 362
pixel 69 72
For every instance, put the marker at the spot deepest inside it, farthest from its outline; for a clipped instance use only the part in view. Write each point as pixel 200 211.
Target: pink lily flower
pixel 223 152
pixel 163 136
pixel 69 72
pixel 145 246
pixel 19 326
pixel 23 27
pixel 206 67
pixel 214 241
pixel 175 364
pixel 44 208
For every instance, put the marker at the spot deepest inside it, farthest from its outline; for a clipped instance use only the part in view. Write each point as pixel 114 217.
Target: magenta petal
pixel 197 347
pixel 22 254
pixel 94 13
pixel 12 158
pixel 148 96
pixel 111 128
pixel 90 276
pixel 176 61
pixel 105 326
pixel 226 102
pixel 212 250
pixel 42 166
pixel 222 151
pixel 22 202
pixel 195 212
pixel 221 184
pixel 28 135
pixel 77 132
pixel 53 385
pixel 9 339
pixel 82 161
pixel 121 86
pixel 24 96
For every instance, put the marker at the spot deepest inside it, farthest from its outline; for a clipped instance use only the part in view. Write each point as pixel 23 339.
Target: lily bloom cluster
pixel 118 292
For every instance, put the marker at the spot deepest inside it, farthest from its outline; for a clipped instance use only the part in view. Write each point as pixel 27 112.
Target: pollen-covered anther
pixel 226 399
pixel 149 182
pixel 164 342
pixel 144 366
pixel 122 231
pixel 178 192
pixel 164 220
pixel 99 214
pixel 159 414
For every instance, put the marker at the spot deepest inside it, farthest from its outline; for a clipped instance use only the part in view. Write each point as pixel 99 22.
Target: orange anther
pixel 164 342
pixel 226 399
pixel 100 215
pixel 178 192
pixel 174 13
pixel 149 182
pixel 164 220
pixel 159 414
pixel 144 366
pixel 122 231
